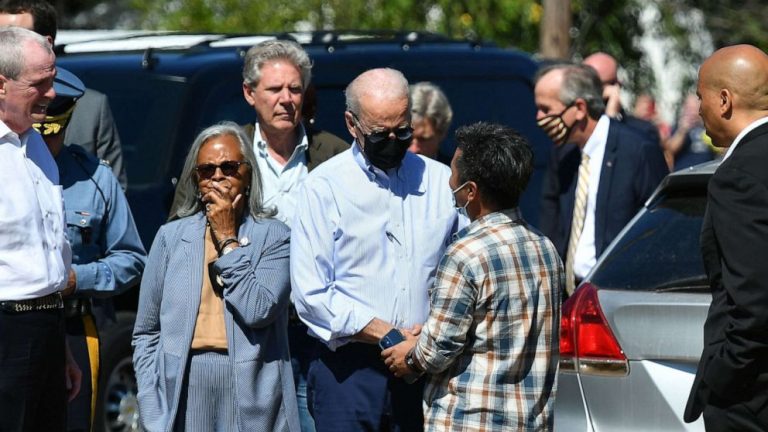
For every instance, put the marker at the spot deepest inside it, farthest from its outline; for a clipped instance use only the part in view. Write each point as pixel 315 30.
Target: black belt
pixel 74 307
pixel 49 302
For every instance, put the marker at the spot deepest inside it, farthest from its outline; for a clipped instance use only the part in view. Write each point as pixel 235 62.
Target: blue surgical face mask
pixel 461 209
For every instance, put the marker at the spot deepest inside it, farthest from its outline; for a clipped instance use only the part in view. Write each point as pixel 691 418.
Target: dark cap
pixel 68 89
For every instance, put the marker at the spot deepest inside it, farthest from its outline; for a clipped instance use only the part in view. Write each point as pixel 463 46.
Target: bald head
pixel 383 84
pixel 742 69
pixel 733 87
pixel 605 65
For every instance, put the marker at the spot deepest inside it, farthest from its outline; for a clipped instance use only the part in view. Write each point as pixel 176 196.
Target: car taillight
pixel 587 343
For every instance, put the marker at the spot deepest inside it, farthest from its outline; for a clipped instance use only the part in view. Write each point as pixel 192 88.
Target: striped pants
pixel 206 403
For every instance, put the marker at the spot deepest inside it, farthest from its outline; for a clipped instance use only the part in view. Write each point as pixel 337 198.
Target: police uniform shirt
pixel 108 256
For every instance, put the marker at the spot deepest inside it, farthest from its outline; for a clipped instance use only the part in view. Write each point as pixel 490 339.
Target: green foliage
pixel 506 22
pixel 611 27
pixel 728 21
pixel 598 24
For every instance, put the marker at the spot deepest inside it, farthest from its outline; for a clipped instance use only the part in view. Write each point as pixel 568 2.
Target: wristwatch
pixel 411 362
pixel 229 248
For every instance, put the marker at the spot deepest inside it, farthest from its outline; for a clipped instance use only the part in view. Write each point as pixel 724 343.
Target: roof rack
pixel 80 41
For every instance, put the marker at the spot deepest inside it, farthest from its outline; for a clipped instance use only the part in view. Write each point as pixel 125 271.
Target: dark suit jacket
pixel 644 127
pixel 322 145
pixel 632 168
pixel 92 127
pixel 734 245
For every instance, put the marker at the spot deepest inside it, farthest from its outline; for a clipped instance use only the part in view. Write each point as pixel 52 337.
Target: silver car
pixel 632 333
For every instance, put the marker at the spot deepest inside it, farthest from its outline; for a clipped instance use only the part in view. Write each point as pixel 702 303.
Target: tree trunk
pixel 554 40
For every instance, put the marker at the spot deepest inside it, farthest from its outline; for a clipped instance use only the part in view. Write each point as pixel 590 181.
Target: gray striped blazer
pixel 256 290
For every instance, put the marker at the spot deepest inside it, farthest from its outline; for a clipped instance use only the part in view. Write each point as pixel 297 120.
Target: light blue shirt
pixel 108 256
pixel 279 183
pixel 365 244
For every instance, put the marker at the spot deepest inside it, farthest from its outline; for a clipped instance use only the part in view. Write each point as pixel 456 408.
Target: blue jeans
pixel 302 348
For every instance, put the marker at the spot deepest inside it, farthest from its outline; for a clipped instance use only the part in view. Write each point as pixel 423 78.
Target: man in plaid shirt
pixel 491 340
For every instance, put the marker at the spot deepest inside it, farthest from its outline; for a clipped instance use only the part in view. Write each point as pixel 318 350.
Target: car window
pixel 146 109
pixel 660 250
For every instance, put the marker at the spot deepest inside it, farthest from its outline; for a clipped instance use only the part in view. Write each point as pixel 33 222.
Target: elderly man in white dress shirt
pixel 34 254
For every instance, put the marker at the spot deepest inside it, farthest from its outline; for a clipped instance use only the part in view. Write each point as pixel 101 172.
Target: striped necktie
pixel 577 223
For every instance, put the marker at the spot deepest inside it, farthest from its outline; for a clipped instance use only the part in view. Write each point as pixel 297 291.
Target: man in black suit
pixel 601 171
pixel 731 385
pixel 607 69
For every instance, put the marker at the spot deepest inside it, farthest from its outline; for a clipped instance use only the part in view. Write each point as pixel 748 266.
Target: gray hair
pixel 385 81
pixel 276 50
pixel 579 82
pixel 187 192
pixel 429 102
pixel 12 49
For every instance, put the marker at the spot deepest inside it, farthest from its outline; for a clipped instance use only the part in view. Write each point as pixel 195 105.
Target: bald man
pixel 370 226
pixel 731 385
pixel 607 69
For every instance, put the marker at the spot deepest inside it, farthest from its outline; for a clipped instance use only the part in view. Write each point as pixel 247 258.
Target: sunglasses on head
pixel 402 133
pixel 228 168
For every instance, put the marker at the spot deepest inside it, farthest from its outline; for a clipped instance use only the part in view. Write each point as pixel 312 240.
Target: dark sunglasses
pixel 402 134
pixel 228 168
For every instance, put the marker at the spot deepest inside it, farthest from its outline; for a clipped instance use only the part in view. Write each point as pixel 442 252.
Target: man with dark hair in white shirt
pixel 34 254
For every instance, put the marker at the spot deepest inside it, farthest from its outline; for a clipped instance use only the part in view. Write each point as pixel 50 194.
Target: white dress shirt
pixel 280 182
pixel 34 254
pixel 595 148
pixel 752 126
pixel 366 243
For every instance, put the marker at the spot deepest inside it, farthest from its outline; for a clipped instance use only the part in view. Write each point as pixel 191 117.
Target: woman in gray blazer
pixel 210 342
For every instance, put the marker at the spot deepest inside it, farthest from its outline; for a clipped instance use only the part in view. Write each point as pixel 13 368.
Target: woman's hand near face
pixel 222 210
pixel 223 188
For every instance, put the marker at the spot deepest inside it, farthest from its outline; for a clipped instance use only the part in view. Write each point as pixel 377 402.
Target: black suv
pixel 164 89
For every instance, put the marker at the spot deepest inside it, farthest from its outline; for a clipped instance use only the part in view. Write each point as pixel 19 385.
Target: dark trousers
pixel 32 381
pixel 351 390
pixel 83 339
pixel 734 416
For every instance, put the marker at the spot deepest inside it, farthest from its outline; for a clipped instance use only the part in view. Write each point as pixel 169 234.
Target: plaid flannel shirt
pixel 491 339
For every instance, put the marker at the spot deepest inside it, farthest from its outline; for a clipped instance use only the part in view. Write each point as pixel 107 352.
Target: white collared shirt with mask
pixel 595 149
pixel 35 256
pixel 279 182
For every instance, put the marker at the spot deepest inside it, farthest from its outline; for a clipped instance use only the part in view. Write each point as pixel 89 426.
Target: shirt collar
pixel 752 126
pixel 599 136
pixel 374 172
pixel 13 137
pixel 261 144
pixel 506 216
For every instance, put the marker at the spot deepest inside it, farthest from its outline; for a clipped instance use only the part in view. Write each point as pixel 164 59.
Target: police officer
pixel 108 257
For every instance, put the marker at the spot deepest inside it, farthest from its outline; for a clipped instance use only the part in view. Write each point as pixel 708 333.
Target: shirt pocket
pixel 431 237
pixel 83 229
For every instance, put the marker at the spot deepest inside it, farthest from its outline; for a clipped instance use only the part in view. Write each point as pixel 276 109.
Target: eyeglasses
pixel 228 168
pixel 404 133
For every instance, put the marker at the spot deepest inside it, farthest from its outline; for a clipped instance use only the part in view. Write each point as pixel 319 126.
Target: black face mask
pixel 383 152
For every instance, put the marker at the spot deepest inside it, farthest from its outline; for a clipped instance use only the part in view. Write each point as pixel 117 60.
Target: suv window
pixel 146 109
pixel 660 250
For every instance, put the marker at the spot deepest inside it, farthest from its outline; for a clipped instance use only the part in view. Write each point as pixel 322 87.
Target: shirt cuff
pixel 347 324
pixel 95 276
pixel 430 360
